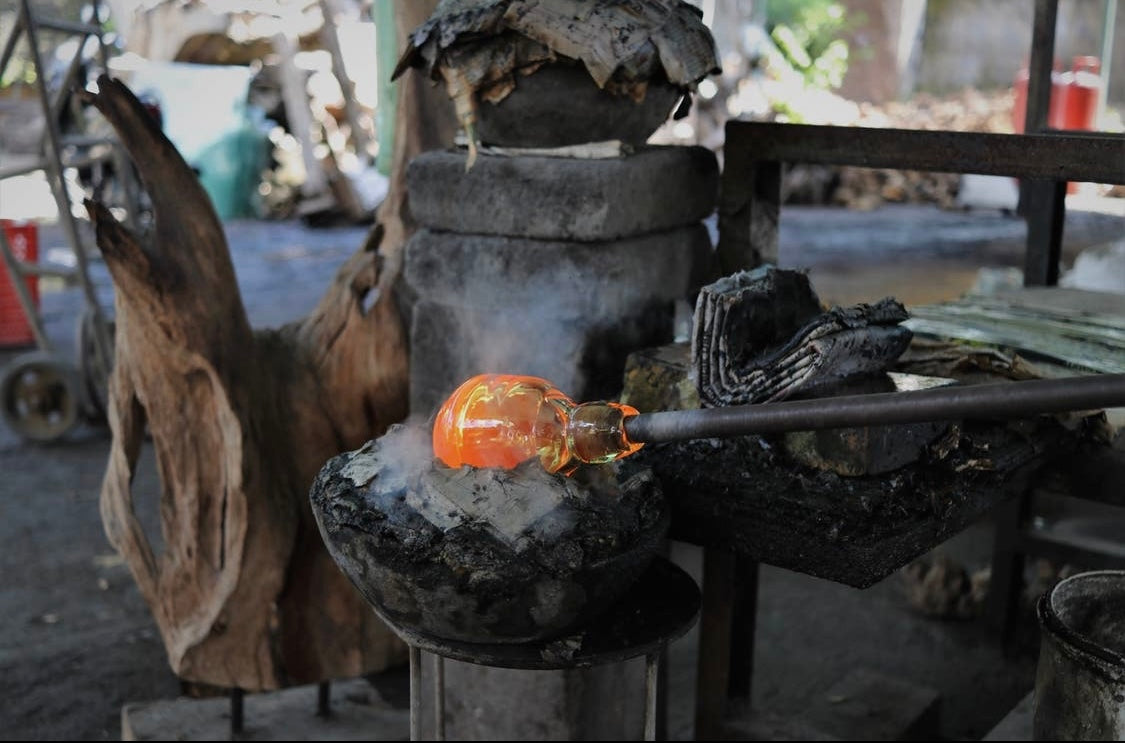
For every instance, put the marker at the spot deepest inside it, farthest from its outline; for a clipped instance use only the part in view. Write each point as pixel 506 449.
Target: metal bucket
pixel 1080 683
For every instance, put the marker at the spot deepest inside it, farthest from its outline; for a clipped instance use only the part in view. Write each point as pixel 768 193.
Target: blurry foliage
pixel 808 33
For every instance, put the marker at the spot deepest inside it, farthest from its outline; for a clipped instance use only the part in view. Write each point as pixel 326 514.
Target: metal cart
pixel 42 394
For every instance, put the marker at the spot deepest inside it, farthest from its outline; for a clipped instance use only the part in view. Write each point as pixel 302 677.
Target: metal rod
pixel 324 699
pixel 236 695
pixel 652 675
pixel 439 697
pixel 1040 65
pixel 415 693
pixel 1001 400
pixel 102 351
pixel 1109 23
pixel 11 41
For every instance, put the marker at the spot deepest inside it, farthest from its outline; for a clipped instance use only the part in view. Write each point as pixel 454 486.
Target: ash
pixel 484 554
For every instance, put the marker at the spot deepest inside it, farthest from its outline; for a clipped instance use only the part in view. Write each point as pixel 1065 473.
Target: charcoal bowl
pixel 475 556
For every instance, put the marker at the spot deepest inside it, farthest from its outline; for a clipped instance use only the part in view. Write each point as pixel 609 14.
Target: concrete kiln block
pixel 569 312
pixel 554 198
pixel 549 278
pixel 584 355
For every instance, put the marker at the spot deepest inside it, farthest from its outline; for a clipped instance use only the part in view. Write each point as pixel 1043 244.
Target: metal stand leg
pixel 415 693
pixel 324 699
pixel 713 674
pixel 439 697
pixel 235 713
pixel 652 687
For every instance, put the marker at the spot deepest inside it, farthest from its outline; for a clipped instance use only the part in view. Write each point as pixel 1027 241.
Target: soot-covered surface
pixel 484 555
pixel 745 494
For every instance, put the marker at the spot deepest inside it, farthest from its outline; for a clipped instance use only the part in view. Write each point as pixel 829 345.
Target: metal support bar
pixel 324 699
pixel 1046 215
pixel 103 352
pixel 236 721
pixel 713 664
pixel 1109 25
pixel 1054 155
pixel 1000 400
pixel 69 27
pixel 415 693
pixel 12 40
pixel 748 216
pixel 1040 65
pixel 744 620
pixel 652 687
pixel 1042 202
pixel 439 697
pixel 1006 585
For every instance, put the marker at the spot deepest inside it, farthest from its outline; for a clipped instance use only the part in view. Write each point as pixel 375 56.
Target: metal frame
pixel 750 204
pixel 749 211
pixel 29 24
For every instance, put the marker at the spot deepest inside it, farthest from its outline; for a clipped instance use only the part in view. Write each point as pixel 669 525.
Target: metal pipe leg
pixel 439 698
pixel 236 695
pixel 415 693
pixel 652 686
pixel 324 699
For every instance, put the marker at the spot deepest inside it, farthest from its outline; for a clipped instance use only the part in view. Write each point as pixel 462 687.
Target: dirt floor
pixel 78 641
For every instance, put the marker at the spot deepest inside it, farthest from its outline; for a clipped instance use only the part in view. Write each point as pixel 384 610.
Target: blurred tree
pixel 810 35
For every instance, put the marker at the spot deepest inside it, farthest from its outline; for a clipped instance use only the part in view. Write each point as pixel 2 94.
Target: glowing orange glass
pixel 500 420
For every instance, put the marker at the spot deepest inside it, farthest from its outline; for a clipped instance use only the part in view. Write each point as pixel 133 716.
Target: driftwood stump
pixel 243 591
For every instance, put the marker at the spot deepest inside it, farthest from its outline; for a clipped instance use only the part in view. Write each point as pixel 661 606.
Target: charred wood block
pixel 745 495
pixel 760 336
pixel 484 555
pixel 553 198
pixel 659 378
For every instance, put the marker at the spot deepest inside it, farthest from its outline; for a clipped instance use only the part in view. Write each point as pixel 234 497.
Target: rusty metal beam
pixel 1040 65
pixel 1065 156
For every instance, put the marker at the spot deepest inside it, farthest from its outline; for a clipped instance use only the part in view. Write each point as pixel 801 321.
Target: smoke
pixel 567 312
pixel 405 451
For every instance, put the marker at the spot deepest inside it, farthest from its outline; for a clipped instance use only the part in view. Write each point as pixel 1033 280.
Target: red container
pixel 1074 99
pixel 1054 105
pixel 1081 89
pixel 15 330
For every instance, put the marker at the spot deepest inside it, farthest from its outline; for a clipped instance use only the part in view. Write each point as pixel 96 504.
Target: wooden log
pixel 243 592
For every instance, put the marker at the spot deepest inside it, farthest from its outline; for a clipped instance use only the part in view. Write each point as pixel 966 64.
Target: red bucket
pixel 15 330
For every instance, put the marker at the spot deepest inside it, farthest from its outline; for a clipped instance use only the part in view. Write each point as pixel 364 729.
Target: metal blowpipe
pixel 999 400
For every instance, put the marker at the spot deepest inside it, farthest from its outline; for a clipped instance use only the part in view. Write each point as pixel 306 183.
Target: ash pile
pixel 484 555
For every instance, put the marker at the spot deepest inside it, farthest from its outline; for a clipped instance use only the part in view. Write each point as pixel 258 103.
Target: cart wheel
pixel 94 376
pixel 39 396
